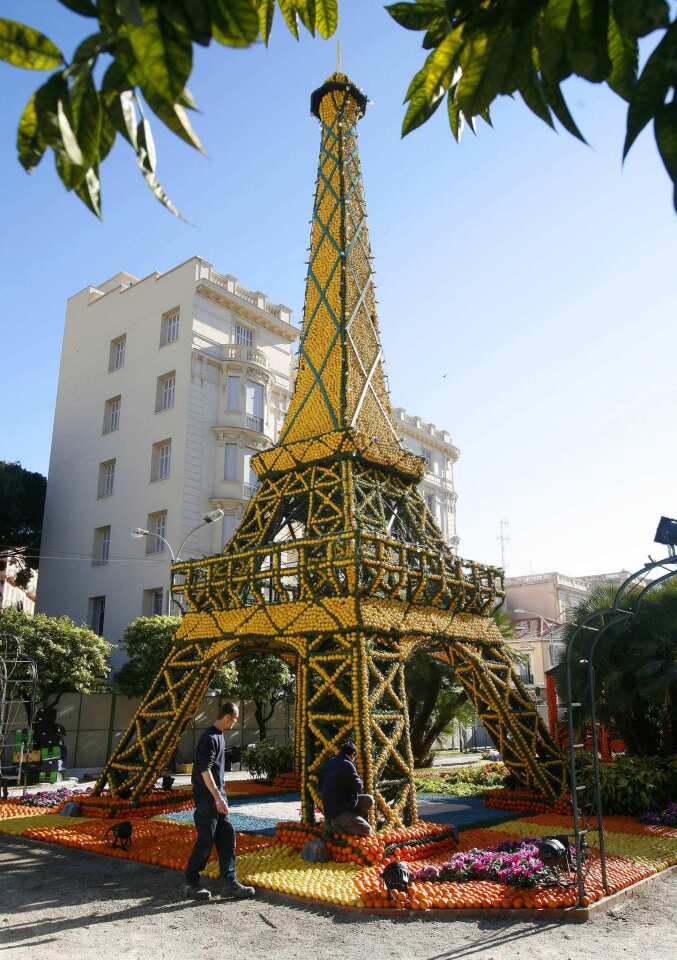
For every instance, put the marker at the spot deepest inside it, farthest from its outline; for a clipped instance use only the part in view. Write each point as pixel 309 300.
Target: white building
pixel 440 455
pixel 167 387
pixel 11 594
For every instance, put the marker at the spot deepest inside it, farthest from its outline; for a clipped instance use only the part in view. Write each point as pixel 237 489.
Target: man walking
pixel 346 808
pixel 211 812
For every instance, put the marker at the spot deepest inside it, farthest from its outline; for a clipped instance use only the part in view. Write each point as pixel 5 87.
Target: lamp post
pixel 140 532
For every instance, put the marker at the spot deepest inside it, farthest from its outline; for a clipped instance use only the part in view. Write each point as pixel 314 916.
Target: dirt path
pixel 58 903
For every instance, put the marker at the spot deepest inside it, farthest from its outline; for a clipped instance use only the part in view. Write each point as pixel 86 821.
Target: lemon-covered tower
pixel 338 567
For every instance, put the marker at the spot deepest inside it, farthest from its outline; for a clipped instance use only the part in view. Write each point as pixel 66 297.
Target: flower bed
pixel 53 798
pixel 665 815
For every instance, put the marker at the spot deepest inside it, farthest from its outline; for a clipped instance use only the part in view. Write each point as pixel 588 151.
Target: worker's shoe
pixel 197 891
pixel 234 890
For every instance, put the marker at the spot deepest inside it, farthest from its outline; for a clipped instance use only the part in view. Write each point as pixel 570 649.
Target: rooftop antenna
pixel 503 538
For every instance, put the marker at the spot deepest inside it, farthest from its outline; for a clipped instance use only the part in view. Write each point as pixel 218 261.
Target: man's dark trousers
pixel 213 829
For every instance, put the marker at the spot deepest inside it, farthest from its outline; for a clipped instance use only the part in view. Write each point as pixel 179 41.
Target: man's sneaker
pixel 234 890
pixel 197 892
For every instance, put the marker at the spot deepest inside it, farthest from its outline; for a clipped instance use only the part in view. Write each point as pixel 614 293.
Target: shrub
pixel 630 785
pixel 265 760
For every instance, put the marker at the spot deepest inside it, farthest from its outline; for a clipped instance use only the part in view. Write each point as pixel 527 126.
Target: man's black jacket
pixel 340 786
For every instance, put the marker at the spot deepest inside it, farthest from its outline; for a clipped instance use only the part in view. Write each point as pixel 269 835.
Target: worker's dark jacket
pixel 340 786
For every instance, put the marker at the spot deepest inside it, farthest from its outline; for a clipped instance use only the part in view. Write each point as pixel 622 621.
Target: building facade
pixel 11 594
pixel 440 455
pixel 168 386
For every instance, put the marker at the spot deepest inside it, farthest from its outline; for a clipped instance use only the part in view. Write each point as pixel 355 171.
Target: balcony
pixel 233 490
pixel 248 490
pixel 253 423
pixel 241 353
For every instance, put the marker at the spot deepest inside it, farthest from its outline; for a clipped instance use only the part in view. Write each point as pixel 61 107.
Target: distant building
pixel 540 604
pixel 440 455
pixel 12 595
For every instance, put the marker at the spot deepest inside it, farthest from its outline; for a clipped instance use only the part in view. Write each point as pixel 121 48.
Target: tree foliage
pixel 478 51
pixel 147 642
pixel 68 658
pixel 482 49
pixel 636 671
pixel 22 503
pixel 265 679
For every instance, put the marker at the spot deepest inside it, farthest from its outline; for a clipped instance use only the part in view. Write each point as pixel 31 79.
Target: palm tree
pixel 635 668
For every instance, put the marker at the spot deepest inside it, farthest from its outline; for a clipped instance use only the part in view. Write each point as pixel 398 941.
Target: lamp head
pixel 213 516
pixel 138 533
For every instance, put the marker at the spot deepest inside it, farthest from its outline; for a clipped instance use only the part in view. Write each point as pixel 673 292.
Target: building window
pixel 255 408
pixel 243 335
pixel 101 545
pixel 233 394
pixel 230 462
pixel 157 525
pixel 524 668
pixel 427 456
pixel 106 478
pixel 228 528
pixel 154 602
pixel 97 610
pixel 430 503
pixel 116 357
pixel 251 481
pixel 164 394
pixel 161 460
pixel 111 415
pixel 169 329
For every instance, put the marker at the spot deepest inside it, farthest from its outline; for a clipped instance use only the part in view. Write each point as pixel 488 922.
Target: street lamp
pixel 140 532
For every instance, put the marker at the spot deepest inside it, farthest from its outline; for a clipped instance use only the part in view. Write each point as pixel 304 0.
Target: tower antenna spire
pixel 338 56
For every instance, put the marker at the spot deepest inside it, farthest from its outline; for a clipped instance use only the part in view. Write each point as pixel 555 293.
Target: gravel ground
pixel 57 903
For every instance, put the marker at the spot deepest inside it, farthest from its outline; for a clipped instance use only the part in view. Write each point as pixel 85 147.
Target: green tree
pixel 22 503
pixel 478 50
pixel 267 680
pixel 435 698
pixel 636 671
pixel 68 658
pixel 147 642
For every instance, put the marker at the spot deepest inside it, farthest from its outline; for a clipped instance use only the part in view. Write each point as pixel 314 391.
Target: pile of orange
pixel 8 810
pixel 287 781
pixel 157 801
pixel 525 801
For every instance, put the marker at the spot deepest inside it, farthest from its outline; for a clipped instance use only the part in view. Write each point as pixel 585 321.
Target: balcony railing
pixel 244 354
pixel 248 490
pixel 254 423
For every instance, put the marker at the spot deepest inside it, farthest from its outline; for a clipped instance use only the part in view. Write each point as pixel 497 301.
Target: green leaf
pixel 416 16
pixel 164 56
pixel 420 108
pixel 439 28
pixel 146 152
pixel 68 138
pixel 46 107
pixel 587 39
pixel 288 11
pixel 441 63
pixel 156 189
pixel 639 17
pixel 552 39
pixel 130 10
pixel 199 20
pixel 488 60
pixel 235 23
pixel 118 101
pixel 25 47
pixel 560 108
pixel 652 87
pixel 665 130
pixel 84 7
pixel 326 17
pixel 30 143
pixel 306 11
pixel 106 136
pixel 70 174
pixel 532 92
pixel 175 117
pixel 89 191
pixel 86 113
pixel 456 120
pixel 266 10
pixel 90 48
pixel 624 54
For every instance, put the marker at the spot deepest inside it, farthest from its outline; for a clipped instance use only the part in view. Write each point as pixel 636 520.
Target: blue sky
pixel 533 271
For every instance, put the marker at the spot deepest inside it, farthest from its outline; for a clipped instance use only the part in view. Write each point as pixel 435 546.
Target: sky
pixel 526 282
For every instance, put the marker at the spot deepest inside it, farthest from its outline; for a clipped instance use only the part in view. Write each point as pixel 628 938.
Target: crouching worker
pixel 346 808
pixel 211 812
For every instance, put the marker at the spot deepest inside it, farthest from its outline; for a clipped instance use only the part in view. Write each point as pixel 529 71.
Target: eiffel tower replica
pixel 338 567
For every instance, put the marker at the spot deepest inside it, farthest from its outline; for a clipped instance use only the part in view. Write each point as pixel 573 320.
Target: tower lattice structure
pixel 338 567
